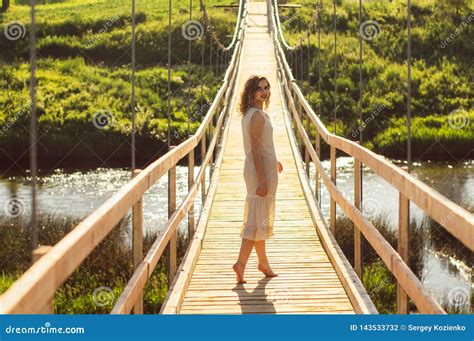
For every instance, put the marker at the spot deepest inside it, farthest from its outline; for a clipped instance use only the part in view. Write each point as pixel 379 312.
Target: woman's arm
pixel 256 127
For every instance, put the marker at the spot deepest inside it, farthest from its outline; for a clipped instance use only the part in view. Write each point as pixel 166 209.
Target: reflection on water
pixel 78 193
pixel 446 265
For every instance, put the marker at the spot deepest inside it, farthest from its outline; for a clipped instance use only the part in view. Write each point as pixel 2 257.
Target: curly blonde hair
pixel 251 86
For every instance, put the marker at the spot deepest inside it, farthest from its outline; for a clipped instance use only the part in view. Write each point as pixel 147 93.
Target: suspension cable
pixel 133 85
pixel 335 66
pixel 188 97
pixel 300 40
pixel 33 129
pixel 319 63
pixel 408 85
pixel 213 34
pixel 361 89
pixel 320 102
pixel 309 54
pixel 202 68
pixel 169 74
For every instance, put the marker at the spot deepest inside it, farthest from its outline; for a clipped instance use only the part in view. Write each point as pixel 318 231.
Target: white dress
pixel 259 212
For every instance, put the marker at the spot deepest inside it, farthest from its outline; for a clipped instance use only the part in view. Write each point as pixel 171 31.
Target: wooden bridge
pixel 314 275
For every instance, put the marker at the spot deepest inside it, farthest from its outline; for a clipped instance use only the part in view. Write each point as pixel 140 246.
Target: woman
pixel 260 173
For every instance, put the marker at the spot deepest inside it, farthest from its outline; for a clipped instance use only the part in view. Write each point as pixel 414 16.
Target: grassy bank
pixel 442 99
pixel 97 284
pixel 84 78
pixel 379 283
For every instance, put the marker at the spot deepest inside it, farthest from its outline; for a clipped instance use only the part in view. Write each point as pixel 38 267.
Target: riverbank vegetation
pixel 95 286
pixel 380 284
pixel 84 77
pixel 442 97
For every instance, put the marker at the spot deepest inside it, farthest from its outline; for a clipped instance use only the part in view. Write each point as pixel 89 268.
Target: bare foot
pixel 267 270
pixel 239 270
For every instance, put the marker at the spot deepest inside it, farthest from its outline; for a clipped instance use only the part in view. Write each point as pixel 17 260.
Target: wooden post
pixel 5 5
pixel 403 247
pixel 203 181
pixel 211 136
pixel 190 184
pixel 357 234
pixel 300 138
pixel 287 99
pixel 332 206
pixel 316 177
pixel 36 255
pixel 306 152
pixel 137 247
pixel 171 248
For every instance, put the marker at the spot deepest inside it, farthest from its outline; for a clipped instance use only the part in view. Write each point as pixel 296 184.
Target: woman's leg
pixel 245 251
pixel 263 264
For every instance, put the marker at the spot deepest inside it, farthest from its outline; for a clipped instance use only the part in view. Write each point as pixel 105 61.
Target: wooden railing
pixel 455 219
pixel 34 290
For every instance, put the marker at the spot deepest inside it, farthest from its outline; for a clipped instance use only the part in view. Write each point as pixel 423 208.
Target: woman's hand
pixel 280 167
pixel 262 189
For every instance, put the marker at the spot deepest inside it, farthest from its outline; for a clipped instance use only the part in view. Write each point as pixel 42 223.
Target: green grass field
pixel 96 285
pixel 442 92
pixel 84 73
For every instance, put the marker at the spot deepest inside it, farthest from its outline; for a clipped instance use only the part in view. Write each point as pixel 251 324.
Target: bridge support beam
pixel 403 247
pixel 190 184
pixel 203 181
pixel 37 254
pixel 171 247
pixel 306 152
pixel 332 205
pixel 357 204
pixel 316 177
pixel 137 247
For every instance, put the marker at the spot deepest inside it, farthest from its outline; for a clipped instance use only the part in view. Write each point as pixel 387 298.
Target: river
pixel 446 271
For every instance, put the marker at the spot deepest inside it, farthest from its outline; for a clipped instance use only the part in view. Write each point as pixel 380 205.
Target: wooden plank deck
pixel 307 281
